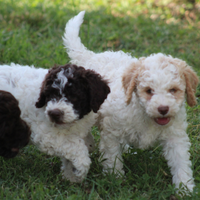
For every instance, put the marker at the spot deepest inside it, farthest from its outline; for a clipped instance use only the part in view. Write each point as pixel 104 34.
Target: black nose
pixel 163 110
pixel 56 115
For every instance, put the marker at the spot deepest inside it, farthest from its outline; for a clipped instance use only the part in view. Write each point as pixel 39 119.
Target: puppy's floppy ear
pixel 42 97
pixel 191 80
pixel 41 100
pixel 99 89
pixel 129 80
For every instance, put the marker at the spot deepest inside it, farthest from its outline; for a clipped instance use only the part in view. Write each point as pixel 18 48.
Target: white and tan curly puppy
pixel 60 107
pixel 146 104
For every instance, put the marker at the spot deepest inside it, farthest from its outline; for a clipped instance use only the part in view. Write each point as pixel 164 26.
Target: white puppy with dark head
pixel 60 107
pixel 146 104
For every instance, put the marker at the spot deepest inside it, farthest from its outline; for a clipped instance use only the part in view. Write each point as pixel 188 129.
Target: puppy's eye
pixel 173 90
pixel 149 91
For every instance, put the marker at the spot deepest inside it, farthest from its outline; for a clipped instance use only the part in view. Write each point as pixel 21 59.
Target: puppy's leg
pixel 89 142
pixel 112 153
pixel 70 172
pixel 68 169
pixel 176 152
pixel 76 163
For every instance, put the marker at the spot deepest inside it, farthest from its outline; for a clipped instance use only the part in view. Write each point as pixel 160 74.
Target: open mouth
pixel 162 120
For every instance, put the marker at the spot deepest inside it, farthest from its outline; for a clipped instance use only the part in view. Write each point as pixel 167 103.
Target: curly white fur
pixel 24 83
pixel 146 103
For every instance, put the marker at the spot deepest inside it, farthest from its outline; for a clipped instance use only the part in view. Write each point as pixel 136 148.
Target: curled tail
pixel 72 42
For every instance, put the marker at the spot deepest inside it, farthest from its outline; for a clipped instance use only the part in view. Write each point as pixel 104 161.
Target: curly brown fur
pixel 14 132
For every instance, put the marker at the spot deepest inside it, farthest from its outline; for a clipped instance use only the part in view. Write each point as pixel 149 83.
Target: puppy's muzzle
pixel 56 116
pixel 163 110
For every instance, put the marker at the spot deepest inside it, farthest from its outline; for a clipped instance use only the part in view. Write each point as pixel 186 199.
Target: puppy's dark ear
pixel 41 100
pixel 48 80
pixel 42 97
pixel 99 89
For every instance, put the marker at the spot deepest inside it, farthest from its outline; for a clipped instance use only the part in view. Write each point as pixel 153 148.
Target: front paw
pixel 185 189
pixel 76 172
pixel 74 175
pixel 72 179
pixel 70 172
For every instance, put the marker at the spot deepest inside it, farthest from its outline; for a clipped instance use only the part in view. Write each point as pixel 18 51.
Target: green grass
pixel 30 34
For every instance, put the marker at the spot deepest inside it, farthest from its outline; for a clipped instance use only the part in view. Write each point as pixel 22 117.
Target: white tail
pixel 72 42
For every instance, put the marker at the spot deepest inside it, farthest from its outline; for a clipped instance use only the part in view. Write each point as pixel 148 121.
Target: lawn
pixel 31 34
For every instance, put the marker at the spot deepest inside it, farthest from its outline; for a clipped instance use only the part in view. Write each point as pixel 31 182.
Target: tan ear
pixel 129 80
pixel 192 81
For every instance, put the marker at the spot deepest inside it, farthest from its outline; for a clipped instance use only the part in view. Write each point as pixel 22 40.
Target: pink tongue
pixel 162 121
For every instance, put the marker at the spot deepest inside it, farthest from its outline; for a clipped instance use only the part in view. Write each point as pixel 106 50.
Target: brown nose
pixel 56 115
pixel 163 110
